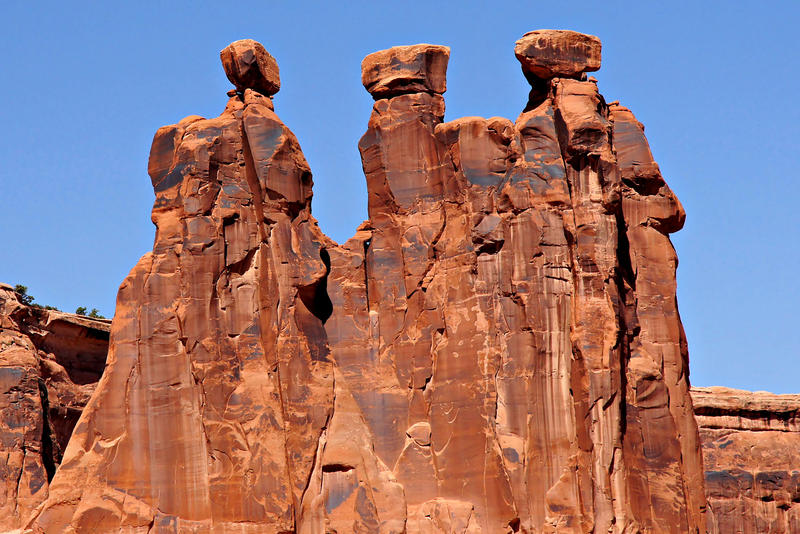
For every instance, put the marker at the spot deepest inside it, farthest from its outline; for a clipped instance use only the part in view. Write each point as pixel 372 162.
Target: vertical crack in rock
pixel 266 285
pixel 315 296
pixel 50 453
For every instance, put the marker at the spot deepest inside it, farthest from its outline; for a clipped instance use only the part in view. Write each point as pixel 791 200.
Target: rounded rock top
pixel 248 65
pixel 558 53
pixel 420 68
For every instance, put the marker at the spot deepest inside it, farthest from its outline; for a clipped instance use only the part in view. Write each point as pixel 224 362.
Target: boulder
pixel 558 53
pixel 249 66
pixel 405 69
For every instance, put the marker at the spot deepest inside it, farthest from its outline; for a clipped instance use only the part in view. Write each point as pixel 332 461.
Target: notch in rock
pixel 336 468
pixel 315 296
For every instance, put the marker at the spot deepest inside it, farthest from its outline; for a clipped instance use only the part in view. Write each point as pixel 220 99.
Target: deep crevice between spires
pixel 49 448
pixel 315 296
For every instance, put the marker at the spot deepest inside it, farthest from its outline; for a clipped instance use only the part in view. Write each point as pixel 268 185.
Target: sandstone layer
pixel 497 349
pixel 50 363
pixel 751 454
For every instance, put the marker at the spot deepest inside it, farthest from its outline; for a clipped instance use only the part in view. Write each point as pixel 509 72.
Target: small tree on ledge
pixel 22 292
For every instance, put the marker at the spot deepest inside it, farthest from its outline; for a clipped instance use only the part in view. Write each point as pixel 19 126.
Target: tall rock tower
pixel 497 349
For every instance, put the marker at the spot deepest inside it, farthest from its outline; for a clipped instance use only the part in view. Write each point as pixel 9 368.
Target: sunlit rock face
pixel 497 349
pixel 751 452
pixel 219 384
pixel 50 363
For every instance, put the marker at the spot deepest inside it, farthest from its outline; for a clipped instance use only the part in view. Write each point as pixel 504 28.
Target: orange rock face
pixel 497 349
pixel 563 53
pixel 50 363
pixel 249 66
pixel 408 69
pixel 219 386
pixel 751 452
pixel 506 319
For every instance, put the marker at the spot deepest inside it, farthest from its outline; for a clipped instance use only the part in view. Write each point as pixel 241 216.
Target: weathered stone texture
pixel 406 69
pixel 50 363
pixel 497 349
pixel 558 53
pixel 751 452
pixel 534 326
pixel 219 387
pixel 249 66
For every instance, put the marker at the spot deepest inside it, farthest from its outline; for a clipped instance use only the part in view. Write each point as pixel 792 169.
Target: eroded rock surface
pixel 409 69
pixel 751 454
pixel 506 320
pixel 249 66
pixel 497 349
pixel 219 387
pixel 50 363
pixel 558 53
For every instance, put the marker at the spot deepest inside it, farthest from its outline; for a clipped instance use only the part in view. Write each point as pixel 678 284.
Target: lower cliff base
pixel 751 452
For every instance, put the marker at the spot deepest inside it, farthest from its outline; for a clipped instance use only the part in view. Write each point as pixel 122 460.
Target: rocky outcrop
pixel 219 386
pixel 751 452
pixel 50 363
pixel 497 349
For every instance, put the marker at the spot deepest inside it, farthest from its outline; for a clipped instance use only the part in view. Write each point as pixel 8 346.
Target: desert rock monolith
pixel 497 349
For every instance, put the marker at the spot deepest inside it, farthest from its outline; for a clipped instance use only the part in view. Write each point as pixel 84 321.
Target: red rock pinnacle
pixel 497 349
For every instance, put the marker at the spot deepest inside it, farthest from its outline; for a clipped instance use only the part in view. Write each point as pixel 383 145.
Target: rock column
pixel 497 349
pixel 219 383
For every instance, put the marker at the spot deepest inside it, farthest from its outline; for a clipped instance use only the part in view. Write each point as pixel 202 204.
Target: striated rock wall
pixel 506 320
pixel 497 349
pixel 751 452
pixel 219 386
pixel 50 363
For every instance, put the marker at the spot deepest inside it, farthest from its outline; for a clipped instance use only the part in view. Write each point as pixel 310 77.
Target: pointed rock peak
pixel 249 66
pixel 420 68
pixel 558 53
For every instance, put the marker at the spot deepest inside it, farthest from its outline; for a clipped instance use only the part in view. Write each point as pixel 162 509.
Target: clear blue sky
pixel 715 83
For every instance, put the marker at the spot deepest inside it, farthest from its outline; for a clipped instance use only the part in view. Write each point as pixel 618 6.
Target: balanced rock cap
pixel 420 68
pixel 249 66
pixel 558 53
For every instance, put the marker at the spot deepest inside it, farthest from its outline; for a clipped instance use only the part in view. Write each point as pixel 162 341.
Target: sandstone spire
pixel 219 386
pixel 497 349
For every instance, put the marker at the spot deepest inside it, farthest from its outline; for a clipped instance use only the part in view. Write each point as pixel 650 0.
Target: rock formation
pixel 751 452
pixel 512 301
pixel 497 349
pixel 50 363
pixel 219 386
